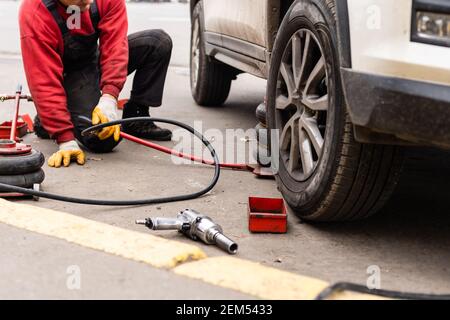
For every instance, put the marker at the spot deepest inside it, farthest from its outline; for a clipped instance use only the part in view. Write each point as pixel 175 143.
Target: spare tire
pixel 21 164
pixel 23 180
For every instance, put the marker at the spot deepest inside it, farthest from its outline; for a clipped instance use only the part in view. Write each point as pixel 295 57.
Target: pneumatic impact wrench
pixel 194 226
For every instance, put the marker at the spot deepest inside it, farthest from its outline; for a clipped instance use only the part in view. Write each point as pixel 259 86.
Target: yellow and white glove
pixel 104 112
pixel 68 152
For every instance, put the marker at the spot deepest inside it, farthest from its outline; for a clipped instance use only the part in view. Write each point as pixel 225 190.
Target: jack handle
pixel 4 97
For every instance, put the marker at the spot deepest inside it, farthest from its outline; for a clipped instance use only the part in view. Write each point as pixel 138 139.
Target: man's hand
pixel 106 111
pixel 68 151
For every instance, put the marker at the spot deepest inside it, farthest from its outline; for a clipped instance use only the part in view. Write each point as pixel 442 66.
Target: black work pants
pixel 149 56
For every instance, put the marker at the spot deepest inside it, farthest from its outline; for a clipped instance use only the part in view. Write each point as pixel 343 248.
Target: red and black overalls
pixel 149 55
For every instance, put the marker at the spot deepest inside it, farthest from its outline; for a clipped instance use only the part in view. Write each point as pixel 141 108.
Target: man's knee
pixel 95 145
pixel 102 146
pixel 165 41
pixel 160 41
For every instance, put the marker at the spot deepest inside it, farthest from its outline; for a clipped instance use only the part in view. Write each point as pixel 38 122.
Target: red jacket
pixel 43 49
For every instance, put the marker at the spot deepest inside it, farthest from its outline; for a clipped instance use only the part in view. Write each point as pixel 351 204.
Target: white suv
pixel 349 82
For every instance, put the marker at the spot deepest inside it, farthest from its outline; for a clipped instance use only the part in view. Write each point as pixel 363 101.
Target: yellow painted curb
pixel 260 281
pixel 155 251
pixel 232 273
pixel 253 279
pixel 347 295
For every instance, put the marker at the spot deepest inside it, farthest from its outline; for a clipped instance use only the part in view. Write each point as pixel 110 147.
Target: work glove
pixel 68 151
pixel 104 112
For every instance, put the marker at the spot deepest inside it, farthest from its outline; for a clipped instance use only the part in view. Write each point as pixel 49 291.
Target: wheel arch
pixel 343 26
pixel 192 4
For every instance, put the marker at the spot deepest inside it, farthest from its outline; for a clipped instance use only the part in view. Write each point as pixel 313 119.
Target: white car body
pixel 375 38
pixel 349 83
pixel 380 33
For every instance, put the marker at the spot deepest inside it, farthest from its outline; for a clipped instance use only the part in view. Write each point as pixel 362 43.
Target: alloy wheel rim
pixel 302 104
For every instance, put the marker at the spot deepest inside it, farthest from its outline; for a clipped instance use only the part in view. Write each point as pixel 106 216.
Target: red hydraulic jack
pixel 12 150
pixel 15 129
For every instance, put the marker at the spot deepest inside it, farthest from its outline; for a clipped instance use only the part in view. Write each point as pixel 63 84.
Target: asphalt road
pixel 172 17
pixel 408 240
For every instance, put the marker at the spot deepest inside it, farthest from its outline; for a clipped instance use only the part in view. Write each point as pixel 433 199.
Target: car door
pixel 237 20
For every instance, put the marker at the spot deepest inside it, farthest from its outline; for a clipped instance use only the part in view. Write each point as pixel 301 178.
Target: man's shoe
pixel 148 131
pixel 39 129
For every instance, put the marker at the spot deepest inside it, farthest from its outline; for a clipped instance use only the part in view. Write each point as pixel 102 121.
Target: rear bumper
pixel 414 111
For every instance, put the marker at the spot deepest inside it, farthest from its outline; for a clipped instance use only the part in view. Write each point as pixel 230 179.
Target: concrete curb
pixel 186 260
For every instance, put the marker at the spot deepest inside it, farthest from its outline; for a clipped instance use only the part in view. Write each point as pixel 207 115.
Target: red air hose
pixel 183 155
pixel 158 147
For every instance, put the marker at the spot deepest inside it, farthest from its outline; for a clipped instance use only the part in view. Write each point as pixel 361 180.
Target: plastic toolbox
pixel 267 215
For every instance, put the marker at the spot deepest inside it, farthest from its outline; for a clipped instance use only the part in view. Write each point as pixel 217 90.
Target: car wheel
pixel 322 172
pixel 210 79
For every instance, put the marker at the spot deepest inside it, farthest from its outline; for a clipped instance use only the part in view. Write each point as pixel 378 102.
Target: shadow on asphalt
pixel 419 210
pixel 418 214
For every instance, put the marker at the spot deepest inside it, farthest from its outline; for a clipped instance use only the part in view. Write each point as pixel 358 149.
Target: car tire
pixel 21 164
pixel 210 79
pixel 27 180
pixel 322 172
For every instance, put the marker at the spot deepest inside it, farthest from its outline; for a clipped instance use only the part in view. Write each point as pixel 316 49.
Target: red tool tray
pixel 267 215
pixel 5 129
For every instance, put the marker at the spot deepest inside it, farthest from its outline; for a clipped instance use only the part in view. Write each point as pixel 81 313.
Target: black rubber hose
pixel 344 286
pixel 191 196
